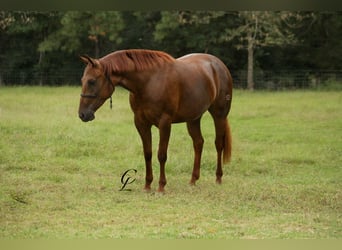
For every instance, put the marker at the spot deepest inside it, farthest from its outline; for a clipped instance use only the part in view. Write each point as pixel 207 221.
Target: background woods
pixel 262 49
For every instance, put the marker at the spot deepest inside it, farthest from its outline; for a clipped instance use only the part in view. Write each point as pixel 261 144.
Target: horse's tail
pixel 227 148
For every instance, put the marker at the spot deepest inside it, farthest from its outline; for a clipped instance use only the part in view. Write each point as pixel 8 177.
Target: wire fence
pixel 289 79
pixel 53 78
pixel 263 79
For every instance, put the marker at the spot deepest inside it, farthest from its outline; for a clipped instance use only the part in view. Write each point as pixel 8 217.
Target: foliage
pixel 193 29
pixel 261 29
pixel 43 47
pixel 21 33
pixel 78 27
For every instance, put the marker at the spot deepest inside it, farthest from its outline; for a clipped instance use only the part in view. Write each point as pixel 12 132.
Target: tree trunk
pixel 250 67
pixel 97 48
pixel 41 56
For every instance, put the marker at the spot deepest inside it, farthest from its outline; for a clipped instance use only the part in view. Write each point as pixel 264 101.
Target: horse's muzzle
pixel 87 115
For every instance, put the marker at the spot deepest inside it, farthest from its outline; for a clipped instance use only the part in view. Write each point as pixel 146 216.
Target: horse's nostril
pixel 86 116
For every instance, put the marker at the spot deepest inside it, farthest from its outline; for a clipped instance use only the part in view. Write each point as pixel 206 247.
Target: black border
pixel 41 5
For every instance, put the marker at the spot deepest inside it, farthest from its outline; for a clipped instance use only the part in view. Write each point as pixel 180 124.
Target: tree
pixel 43 47
pixel 139 28
pixel 320 35
pixel 21 32
pixel 78 28
pixel 260 29
pixel 184 31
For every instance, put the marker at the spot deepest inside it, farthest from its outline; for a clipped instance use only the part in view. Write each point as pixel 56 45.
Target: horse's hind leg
pixel 194 129
pixel 219 140
pixel 222 143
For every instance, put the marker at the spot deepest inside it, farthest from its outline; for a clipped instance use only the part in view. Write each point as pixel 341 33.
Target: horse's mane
pixel 142 60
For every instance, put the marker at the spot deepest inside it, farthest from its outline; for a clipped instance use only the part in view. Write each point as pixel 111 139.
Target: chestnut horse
pixel 164 90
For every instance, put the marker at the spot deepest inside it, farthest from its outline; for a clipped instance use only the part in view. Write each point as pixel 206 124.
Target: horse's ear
pixel 84 58
pixel 88 60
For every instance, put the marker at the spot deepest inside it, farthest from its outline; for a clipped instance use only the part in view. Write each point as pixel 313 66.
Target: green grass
pixel 60 177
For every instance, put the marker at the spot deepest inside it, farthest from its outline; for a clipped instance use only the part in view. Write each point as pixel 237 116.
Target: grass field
pixel 60 177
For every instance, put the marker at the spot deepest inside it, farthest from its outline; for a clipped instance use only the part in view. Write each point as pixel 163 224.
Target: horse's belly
pixel 190 113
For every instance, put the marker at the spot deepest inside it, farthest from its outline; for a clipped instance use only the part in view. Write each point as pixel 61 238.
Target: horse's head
pixel 96 88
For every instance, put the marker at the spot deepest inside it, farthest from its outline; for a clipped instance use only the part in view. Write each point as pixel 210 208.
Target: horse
pixel 164 90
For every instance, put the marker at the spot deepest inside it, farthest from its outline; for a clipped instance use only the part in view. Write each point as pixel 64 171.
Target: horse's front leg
pixel 146 138
pixel 164 136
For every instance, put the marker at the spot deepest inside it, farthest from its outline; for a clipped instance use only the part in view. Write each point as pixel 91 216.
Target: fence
pixel 54 78
pixel 263 79
pixel 289 79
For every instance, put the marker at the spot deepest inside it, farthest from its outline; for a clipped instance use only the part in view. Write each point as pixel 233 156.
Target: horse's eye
pixel 91 82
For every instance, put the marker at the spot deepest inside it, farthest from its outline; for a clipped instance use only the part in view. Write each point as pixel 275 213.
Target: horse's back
pixel 214 68
pixel 209 62
pixel 201 58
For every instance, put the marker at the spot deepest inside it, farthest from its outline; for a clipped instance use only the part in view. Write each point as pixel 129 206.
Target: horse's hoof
pixel 161 190
pixel 192 183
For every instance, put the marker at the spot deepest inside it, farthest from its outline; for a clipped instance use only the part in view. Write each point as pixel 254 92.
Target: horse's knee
pixel 219 143
pixel 198 144
pixel 148 156
pixel 162 157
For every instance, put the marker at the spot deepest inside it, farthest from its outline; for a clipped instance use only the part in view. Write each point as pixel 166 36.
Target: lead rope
pixel 110 102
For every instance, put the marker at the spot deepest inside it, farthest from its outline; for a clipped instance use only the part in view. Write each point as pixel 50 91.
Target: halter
pixel 93 96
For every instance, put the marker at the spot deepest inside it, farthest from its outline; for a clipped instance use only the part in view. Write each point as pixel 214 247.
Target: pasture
pixel 60 177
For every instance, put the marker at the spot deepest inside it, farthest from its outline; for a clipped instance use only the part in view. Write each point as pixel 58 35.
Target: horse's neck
pixel 135 81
